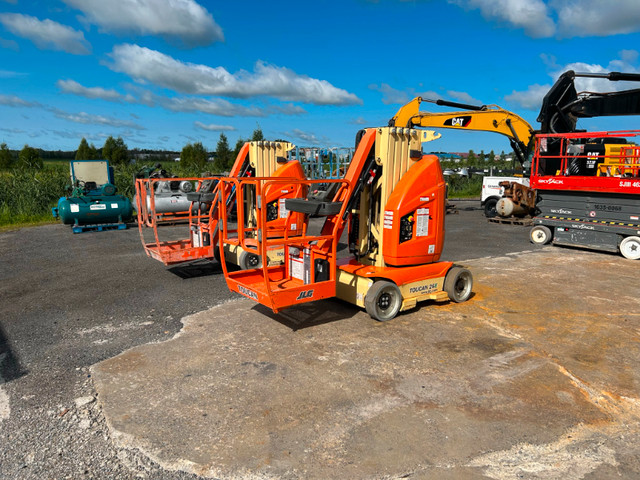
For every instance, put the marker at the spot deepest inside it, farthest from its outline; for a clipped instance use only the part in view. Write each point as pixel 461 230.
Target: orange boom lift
pixel 392 203
pixel 262 159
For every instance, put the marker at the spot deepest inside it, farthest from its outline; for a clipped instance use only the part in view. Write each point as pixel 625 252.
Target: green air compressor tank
pixel 94 209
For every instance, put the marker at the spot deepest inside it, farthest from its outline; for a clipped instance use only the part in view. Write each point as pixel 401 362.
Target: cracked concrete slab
pixel 535 377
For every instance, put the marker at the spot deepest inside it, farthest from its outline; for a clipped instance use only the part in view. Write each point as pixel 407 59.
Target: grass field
pixel 27 195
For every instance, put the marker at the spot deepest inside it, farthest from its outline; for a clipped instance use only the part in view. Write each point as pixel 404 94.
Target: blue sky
pixel 162 73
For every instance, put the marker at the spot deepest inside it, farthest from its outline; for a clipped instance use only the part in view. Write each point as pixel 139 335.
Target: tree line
pixel 192 156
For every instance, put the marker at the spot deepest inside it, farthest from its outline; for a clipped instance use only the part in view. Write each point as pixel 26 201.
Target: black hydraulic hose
pixel 613 76
pixel 446 103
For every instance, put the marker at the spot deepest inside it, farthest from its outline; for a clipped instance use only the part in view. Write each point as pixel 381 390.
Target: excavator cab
pixel 263 159
pixel 391 201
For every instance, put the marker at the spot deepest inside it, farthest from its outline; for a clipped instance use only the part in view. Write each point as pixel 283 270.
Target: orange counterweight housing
pixel 413 222
pixel 275 196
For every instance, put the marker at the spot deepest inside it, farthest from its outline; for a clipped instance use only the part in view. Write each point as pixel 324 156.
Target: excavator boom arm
pixel 483 118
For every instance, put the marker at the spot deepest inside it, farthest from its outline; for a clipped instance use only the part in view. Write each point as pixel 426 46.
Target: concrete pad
pixel 536 376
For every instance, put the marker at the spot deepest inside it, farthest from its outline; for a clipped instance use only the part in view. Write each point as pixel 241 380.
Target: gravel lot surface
pixel 70 301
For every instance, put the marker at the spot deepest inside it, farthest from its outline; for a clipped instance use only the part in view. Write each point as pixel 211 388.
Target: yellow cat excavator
pixel 517 199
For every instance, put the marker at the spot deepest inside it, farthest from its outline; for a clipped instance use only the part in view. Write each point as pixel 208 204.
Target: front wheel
pixel 458 284
pixel 249 261
pixel 490 208
pixel 383 300
pixel 540 235
pixel 630 248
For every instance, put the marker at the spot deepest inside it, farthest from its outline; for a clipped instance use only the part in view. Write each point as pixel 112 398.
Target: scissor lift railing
pixel 309 269
pixel 170 250
pixel 616 170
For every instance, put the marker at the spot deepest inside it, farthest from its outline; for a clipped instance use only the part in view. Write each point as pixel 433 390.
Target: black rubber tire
pixel 458 284
pixel 540 235
pixel 249 261
pixel 490 208
pixel 383 300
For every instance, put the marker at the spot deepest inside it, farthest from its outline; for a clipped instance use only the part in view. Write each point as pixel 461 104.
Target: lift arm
pixel 563 104
pixel 486 118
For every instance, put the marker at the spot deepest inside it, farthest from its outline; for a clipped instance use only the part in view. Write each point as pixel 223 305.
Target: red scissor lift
pixel 588 189
pixel 172 247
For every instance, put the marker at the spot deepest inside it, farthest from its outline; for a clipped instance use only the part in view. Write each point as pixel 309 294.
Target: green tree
pixel 116 151
pixel 257 135
pixel 481 157
pixel 86 151
pixel 224 156
pixel 237 148
pixel 29 157
pixel 193 156
pixel 6 159
pixel 471 158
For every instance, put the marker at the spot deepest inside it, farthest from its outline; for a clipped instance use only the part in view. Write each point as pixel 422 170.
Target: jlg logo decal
pixel 458 121
pixel 305 294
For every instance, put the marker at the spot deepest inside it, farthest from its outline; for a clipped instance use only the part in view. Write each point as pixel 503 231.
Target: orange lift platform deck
pixel 263 159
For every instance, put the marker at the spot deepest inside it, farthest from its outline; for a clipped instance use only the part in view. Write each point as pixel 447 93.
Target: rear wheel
pixel 383 300
pixel 248 261
pixel 540 235
pixel 490 208
pixel 630 248
pixel 458 284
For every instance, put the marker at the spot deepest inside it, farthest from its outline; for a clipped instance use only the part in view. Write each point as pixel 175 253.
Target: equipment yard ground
pixel 116 367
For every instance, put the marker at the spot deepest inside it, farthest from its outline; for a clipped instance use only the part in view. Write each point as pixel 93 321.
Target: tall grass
pixel 463 187
pixel 27 195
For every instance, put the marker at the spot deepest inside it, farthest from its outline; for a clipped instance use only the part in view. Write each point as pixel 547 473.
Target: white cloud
pixel 530 99
pixel 73 87
pixel 564 18
pixel 594 18
pixel 308 137
pixel 91 119
pixel 391 95
pixel 531 15
pixel 463 97
pixel 145 65
pixel 219 107
pixel 182 20
pixel 46 34
pixel 13 101
pixel 214 128
pixel 215 106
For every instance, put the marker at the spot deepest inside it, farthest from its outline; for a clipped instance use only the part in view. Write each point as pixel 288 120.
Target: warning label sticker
pixel 388 219
pixel 282 210
pixel 422 222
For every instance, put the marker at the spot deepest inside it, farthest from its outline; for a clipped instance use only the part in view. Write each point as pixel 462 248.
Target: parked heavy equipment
pixel 587 183
pixel 392 203
pixel 170 194
pixel 92 203
pixel 261 159
pixel 511 198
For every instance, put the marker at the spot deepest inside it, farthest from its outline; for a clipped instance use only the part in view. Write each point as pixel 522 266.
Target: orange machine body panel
pixel 413 222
